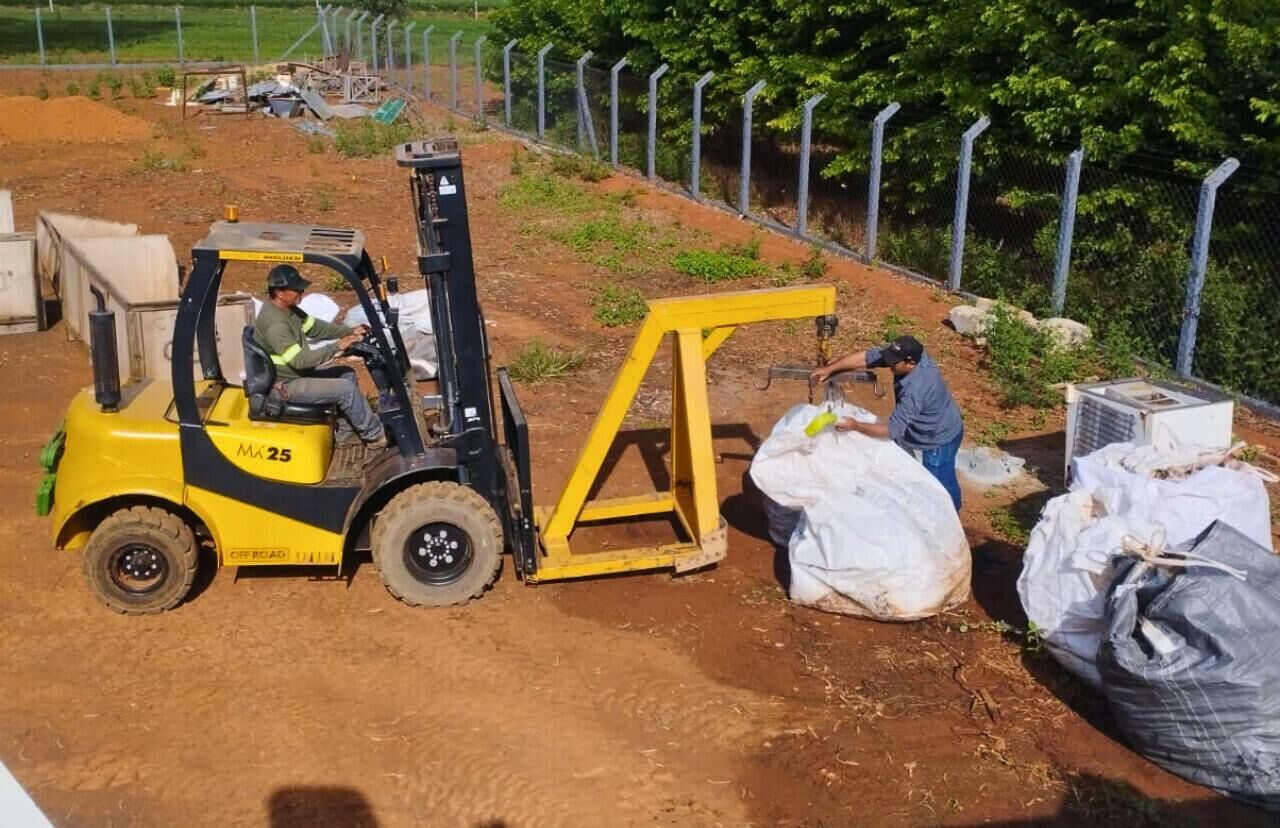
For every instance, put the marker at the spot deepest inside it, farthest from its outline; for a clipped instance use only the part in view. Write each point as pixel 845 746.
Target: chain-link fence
pixel 1124 269
pixel 1240 307
pixel 885 185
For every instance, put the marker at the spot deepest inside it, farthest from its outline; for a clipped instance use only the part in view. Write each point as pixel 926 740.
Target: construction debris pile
pixel 310 95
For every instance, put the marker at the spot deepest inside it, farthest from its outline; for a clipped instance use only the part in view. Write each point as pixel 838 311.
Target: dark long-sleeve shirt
pixel 284 335
pixel 925 416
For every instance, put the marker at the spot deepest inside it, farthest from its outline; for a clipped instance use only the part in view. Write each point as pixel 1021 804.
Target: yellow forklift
pixel 138 475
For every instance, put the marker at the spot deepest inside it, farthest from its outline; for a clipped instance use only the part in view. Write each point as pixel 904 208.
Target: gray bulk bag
pixel 1190 662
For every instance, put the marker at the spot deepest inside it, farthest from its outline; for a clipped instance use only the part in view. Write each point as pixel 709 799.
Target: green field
pixel 148 34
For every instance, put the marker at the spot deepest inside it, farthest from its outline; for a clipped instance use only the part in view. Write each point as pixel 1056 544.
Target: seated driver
pixel 282 329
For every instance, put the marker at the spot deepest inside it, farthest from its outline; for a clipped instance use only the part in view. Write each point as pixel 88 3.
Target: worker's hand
pixel 848 424
pixel 820 374
pixel 347 341
pixel 360 330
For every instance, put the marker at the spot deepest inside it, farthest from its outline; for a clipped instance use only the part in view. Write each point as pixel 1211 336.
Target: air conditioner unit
pixel 1142 412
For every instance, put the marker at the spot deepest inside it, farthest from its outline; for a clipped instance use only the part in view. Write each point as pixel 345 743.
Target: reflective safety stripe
pixel 289 353
pixel 308 324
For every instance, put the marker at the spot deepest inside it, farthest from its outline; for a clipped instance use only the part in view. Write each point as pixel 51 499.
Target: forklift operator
pixel 282 329
pixel 925 421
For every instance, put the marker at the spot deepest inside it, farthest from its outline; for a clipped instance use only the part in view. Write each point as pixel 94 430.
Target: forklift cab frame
pixel 462 446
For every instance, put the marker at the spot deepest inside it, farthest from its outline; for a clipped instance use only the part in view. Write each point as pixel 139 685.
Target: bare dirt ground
pixel 301 699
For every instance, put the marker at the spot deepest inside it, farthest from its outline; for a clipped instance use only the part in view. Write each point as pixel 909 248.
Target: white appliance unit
pixel 1142 412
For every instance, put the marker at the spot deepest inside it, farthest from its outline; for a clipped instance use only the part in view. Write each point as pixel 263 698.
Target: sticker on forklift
pixel 258 256
pixel 445 187
pixel 257 556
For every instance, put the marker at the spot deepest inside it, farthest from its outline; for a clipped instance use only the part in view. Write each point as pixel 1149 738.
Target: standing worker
pixel 925 418
pixel 282 329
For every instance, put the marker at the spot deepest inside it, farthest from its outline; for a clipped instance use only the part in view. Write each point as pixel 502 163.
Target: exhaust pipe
pixel 102 350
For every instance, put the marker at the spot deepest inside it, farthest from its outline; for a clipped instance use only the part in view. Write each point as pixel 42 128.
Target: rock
pixel 968 320
pixel 988 305
pixel 988 466
pixel 1066 332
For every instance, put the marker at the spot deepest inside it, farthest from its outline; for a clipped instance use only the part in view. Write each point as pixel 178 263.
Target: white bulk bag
pixel 878 536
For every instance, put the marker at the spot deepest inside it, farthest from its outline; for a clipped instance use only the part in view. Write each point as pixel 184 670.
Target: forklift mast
pixel 444 261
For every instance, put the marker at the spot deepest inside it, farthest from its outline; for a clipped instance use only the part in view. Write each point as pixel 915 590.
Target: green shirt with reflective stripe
pixel 284 335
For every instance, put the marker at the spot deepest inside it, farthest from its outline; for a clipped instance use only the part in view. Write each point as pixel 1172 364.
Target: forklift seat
pixel 260 378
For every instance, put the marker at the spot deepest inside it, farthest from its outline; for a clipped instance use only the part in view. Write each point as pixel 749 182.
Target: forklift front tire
pixel 141 560
pixel 437 544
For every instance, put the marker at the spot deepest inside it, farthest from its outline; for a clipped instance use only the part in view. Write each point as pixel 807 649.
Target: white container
pixel 6 213
pixel 54 229
pixel 150 337
pixel 1145 412
pixel 21 304
pixel 129 270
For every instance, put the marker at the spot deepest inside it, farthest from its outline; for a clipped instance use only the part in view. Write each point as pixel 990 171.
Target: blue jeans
pixel 941 463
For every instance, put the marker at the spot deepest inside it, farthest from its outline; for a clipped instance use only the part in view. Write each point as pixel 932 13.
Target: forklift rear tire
pixel 437 544
pixel 141 560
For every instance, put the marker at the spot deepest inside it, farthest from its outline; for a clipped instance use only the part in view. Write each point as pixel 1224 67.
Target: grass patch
pixel 366 138
pixel 815 266
pixel 221 34
pixel 1026 362
pixel 538 362
pixel 1007 526
pixel 579 166
pixel 610 230
pixel 324 198
pixel 317 145
pixel 993 433
pixel 177 158
pixel 541 191
pixel 895 324
pixel 725 265
pixel 333 283
pixel 616 306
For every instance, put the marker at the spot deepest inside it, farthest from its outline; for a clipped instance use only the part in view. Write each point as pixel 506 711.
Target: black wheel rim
pixel 438 553
pixel 138 569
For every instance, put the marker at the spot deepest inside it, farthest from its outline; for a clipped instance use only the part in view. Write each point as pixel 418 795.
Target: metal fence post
pixel 506 82
pixel 1066 230
pixel 962 199
pixel 695 153
pixel 426 61
pixel 373 40
pixel 391 49
pixel 877 165
pixel 177 19
pixel 111 38
pixel 652 154
pixel 580 93
pixel 360 35
pixel 323 22
pixel 744 182
pixel 453 70
pixel 1200 264
pixel 806 145
pixel 613 110
pixel 253 28
pixel 346 35
pixel 542 90
pixel 479 47
pixel 40 35
pixel 408 56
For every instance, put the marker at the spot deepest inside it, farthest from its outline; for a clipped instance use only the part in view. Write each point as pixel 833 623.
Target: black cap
pixel 904 347
pixel 286 276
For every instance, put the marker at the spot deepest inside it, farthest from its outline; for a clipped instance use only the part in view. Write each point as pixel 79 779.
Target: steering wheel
pixel 365 349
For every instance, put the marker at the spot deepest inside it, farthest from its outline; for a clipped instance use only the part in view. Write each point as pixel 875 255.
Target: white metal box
pixel 21 303
pixel 150 332
pixel 128 270
pixel 1145 411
